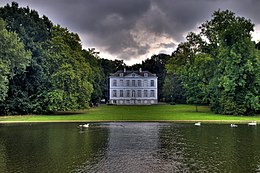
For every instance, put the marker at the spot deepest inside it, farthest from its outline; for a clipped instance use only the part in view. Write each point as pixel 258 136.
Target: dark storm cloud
pixel 124 28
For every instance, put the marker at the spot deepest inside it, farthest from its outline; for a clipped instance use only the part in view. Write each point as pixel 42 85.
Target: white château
pixel 133 88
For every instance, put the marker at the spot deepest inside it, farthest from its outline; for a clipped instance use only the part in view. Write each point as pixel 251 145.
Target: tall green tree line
pixel 220 65
pixel 43 66
pixel 14 58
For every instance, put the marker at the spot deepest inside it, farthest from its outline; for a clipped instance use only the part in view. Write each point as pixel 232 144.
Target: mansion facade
pixel 133 88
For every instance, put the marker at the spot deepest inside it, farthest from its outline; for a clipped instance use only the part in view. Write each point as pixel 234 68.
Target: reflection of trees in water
pixel 3 167
pixel 165 148
pixel 210 148
pixel 52 147
pixel 171 144
pixel 131 148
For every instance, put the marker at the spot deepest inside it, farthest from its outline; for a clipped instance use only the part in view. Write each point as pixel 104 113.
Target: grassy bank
pixel 135 113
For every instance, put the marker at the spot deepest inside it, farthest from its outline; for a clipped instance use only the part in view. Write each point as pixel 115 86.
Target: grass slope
pixel 135 113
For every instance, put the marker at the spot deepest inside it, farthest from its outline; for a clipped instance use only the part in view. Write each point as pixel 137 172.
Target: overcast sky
pixel 134 30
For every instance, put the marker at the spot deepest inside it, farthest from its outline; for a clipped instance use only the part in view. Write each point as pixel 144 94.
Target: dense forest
pixel 219 66
pixel 44 68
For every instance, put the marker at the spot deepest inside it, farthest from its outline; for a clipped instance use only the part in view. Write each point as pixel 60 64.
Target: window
pixel 121 83
pixel 145 93
pixel 139 93
pixel 152 93
pixel 121 93
pixel 133 82
pixel 152 82
pixel 127 93
pixel 128 83
pixel 133 93
pixel 121 74
pixel 139 83
pixel 145 83
pixel 145 74
pixel 114 83
pixel 114 93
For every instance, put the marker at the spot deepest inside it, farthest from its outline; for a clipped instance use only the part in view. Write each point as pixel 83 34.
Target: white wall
pixel 138 100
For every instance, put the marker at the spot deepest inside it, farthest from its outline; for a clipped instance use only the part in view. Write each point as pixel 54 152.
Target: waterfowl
pixel 83 126
pixel 233 125
pixel 198 124
pixel 253 123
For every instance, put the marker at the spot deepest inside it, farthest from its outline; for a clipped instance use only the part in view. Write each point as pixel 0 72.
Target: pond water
pixel 128 147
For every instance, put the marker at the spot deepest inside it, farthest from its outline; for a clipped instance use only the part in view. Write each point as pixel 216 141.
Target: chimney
pixel 140 70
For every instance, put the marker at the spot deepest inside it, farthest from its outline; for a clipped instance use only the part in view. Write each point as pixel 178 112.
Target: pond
pixel 128 147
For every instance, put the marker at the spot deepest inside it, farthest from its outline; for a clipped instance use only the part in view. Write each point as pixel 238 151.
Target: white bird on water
pixel 198 124
pixel 233 125
pixel 83 125
pixel 253 123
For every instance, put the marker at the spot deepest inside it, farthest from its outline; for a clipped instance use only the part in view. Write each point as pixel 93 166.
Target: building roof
pixel 128 72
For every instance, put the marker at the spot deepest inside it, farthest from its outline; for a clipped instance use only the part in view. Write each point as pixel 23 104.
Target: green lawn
pixel 136 113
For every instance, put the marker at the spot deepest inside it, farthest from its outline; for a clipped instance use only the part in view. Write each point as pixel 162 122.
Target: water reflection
pixel 49 147
pixel 211 148
pixel 128 147
pixel 131 148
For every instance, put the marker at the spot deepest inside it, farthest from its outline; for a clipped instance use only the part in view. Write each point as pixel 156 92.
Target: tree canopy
pixel 44 69
pixel 13 58
pixel 220 65
pixel 58 75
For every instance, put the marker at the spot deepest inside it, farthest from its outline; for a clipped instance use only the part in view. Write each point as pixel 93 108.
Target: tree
pixel 13 58
pixel 173 90
pixel 191 66
pixel 109 66
pixel 236 79
pixel 220 65
pixel 257 46
pixel 156 65
pixel 97 77
pixel 69 73
pixel 25 89
pixel 196 78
